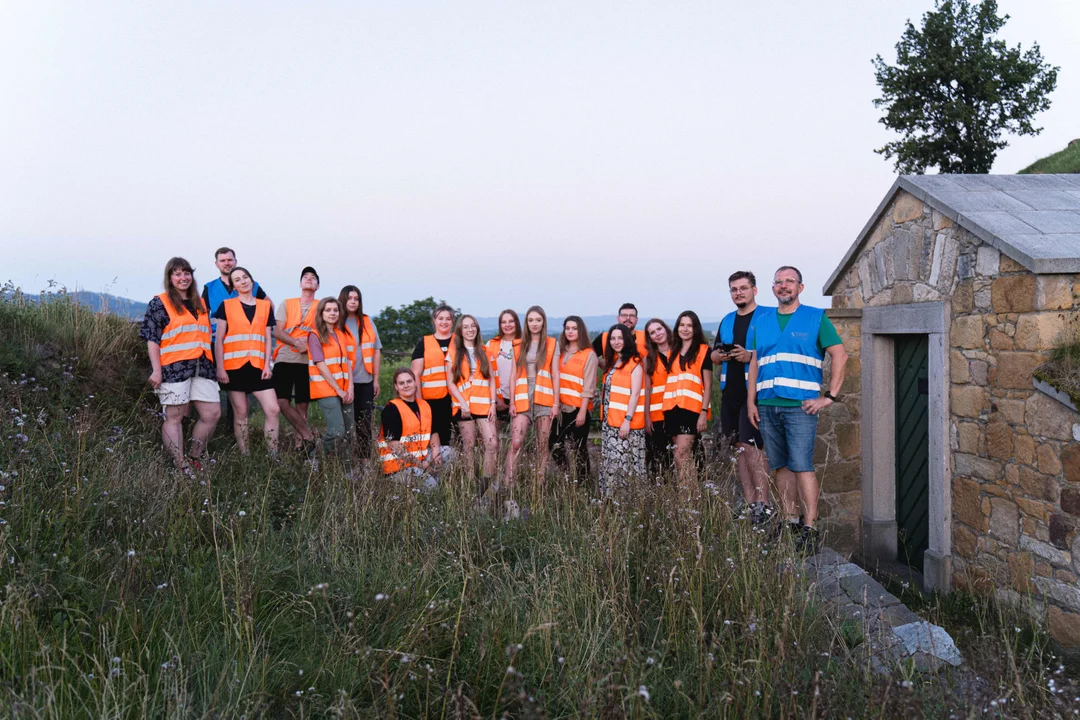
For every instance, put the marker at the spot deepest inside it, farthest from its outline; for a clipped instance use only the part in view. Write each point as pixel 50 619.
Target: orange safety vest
pixel 572 378
pixel 684 387
pixel 185 337
pixel 337 359
pixel 367 344
pixel 544 391
pixel 639 339
pixel 494 346
pixel 294 325
pixel 475 388
pixel 656 394
pixel 619 398
pixel 245 340
pixel 433 379
pixel 415 437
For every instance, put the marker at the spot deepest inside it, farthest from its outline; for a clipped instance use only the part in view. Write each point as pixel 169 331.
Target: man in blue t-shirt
pixel 788 346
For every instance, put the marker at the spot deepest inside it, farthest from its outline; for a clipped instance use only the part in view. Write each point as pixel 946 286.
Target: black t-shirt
pixel 598 346
pixel 391 419
pixel 418 351
pixel 735 383
pixel 706 366
pixel 249 310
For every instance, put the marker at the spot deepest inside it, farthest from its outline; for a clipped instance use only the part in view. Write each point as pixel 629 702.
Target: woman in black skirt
pixel 242 353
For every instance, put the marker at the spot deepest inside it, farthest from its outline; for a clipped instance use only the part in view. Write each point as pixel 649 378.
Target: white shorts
pixel 181 393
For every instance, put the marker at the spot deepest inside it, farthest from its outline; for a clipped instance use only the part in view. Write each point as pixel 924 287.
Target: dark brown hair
pixel 629 350
pixel 582 335
pixel 527 339
pixel 461 367
pixel 695 342
pixel 652 350
pixel 175 298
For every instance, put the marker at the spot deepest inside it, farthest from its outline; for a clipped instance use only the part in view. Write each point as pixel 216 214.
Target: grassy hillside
pixel 265 589
pixel 1063 161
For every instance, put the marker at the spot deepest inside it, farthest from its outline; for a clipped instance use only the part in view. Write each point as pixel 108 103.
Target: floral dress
pixel 620 458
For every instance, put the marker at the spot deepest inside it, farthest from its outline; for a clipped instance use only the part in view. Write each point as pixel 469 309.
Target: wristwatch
pixel 834 398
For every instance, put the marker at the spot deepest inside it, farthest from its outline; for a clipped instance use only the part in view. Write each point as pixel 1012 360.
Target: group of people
pixel 652 388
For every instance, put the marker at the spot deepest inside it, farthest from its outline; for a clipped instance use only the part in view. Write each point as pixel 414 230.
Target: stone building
pixel 944 453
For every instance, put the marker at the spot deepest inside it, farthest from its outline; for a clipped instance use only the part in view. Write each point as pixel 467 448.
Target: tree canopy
pixel 956 88
pixel 400 328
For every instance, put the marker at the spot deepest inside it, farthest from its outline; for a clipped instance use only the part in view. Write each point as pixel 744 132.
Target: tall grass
pixel 267 589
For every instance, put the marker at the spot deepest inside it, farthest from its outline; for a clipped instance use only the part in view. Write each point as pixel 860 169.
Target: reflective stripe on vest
pixel 185 337
pixel 336 358
pixel 572 378
pixel 789 361
pixel 433 379
pixel 367 345
pixel 248 343
pixel 296 326
pixel 415 437
pixel 685 387
pixel 474 388
pixel 619 398
pixel 544 390
pixel 656 394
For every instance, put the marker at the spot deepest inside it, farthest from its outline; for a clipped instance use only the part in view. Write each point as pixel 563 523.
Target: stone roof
pixel 1034 219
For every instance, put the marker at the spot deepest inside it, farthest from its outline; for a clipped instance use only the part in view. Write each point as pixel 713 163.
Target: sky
pixel 575 155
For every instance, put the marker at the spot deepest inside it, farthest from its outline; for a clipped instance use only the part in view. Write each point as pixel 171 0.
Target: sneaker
pixel 808 541
pixel 784 527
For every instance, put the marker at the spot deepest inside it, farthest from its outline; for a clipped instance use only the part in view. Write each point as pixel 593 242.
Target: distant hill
pixel 98 302
pixel 1063 161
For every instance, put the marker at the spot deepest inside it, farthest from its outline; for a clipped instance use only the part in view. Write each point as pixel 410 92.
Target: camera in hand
pixel 726 347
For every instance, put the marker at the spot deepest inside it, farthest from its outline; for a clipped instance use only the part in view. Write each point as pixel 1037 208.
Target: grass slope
pixel 1063 161
pixel 266 590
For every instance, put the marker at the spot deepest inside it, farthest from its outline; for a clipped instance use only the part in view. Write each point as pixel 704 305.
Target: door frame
pixel 879 531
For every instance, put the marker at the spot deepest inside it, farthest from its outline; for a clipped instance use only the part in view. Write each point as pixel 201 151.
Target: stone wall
pixel 1015 451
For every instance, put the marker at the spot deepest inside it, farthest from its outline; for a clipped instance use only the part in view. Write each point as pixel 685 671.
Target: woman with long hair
pixel 408 448
pixel 622 412
pixel 658 344
pixel 472 386
pixel 330 376
pixel 242 347
pixel 176 329
pixel 577 387
pixel 367 366
pixel 535 379
pixel 503 349
pixel 429 367
pixel 687 393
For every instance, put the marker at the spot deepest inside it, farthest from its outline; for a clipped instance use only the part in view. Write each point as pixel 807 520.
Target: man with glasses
pixel 627 316
pixel 731 356
pixel 784 397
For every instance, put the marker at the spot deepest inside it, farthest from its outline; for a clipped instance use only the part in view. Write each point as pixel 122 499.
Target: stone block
pixel 907 208
pixel 1060 527
pixel 968 400
pixel 1008 265
pixel 940 222
pixel 1034 508
pixel 963 299
pixel 1044 551
pixel 902 294
pixel 977 467
pixel 841 477
pixel 849 439
pixel 1070 463
pixel 1070 501
pixel 1047 417
pixel 987 261
pixel 968 332
pixel 1040 331
pixel 1024 449
pixel 1064 626
pixel 980 372
pixel 1054 292
pixel 1004 520
pixel 967 504
pixel 999 440
pixel 1011 410
pixel 821 450
pixel 841 505
pixel 1060 593
pixel 1021 571
pixel 1038 486
pixel 1000 340
pixel 958 368
pixel 925 638
pixel 1014 369
pixel 969 438
pixel 1049 462
pixel 1013 294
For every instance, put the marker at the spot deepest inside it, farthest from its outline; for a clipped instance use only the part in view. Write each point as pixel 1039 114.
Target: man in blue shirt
pixel 788 345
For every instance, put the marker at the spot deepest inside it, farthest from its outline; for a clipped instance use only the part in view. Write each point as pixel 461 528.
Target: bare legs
pixel 297 417
pixel 271 409
pixel 684 465
pixel 752 473
pixel 172 433
pixel 518 430
pixel 795 487
pixel 468 432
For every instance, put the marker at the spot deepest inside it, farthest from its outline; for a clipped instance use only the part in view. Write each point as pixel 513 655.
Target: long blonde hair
pixel 462 367
pixel 527 337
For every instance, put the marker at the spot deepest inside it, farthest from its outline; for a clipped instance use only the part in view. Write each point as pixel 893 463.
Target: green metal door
pixel 912 448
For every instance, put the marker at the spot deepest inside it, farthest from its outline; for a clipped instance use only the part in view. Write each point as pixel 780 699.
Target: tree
pixel 401 328
pixel 956 88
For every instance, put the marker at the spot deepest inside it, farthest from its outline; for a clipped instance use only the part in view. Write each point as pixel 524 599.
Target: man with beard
pixel 732 357
pixel 784 396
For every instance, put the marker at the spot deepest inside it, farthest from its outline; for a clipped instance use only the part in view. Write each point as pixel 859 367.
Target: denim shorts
pixel 789 437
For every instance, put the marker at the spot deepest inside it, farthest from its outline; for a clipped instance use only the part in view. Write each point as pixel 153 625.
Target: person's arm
pixel 376 368
pixel 588 390
pixel 636 376
pixel 648 402
pixel 555 406
pixel 751 391
pixel 267 371
pixel 463 404
pixel 434 452
pixel 417 366
pixel 513 388
pixel 152 328
pixel 838 364
pixel 219 351
pixel 154 351
pixel 706 400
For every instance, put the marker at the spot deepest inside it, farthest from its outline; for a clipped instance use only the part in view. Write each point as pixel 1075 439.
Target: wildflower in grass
pixel 379 597
pixel 131 553
pixel 643 693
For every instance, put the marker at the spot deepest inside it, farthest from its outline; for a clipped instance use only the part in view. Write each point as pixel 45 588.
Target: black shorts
pixel 735 424
pixel 247 379
pixel 442 411
pixel 291 382
pixel 680 421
